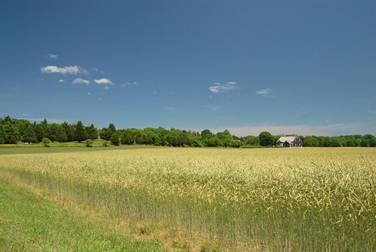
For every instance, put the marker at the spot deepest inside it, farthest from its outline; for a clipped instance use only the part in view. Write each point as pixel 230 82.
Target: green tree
pixel 2 135
pixel 13 135
pixel 225 137
pixel 112 128
pixel 106 134
pixel 266 139
pixel 39 132
pixel 92 132
pixel 46 142
pixel 61 134
pixel 52 131
pixel 311 141
pixel 126 137
pixel 206 134
pixel 89 143
pixel 79 133
pixel 334 142
pixel 115 139
pixel 252 140
pixel 29 135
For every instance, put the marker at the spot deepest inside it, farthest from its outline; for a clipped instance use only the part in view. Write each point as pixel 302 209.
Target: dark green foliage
pixel 52 130
pixel 126 138
pixel 61 135
pixel 13 135
pixel 2 135
pixel 39 132
pixel 79 133
pixel 106 134
pixel 115 139
pixel 92 133
pixel 112 128
pixel 266 139
pixel 14 130
pixel 311 141
pixel 29 135
pixel 69 131
pixel 206 134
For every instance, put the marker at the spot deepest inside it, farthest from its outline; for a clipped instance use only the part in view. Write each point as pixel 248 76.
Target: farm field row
pixel 31 223
pixel 308 199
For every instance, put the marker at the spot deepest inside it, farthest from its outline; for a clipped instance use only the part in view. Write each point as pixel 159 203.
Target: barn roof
pixel 288 139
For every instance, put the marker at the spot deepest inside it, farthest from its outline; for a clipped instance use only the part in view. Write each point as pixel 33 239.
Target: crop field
pixel 282 199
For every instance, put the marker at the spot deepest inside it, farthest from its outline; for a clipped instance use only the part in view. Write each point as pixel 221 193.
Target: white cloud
pixel 106 88
pixel 104 81
pixel 128 84
pixel 64 70
pixel 264 91
pixel 304 130
pixel 218 88
pixel 53 56
pixel 61 81
pixel 80 81
pixel 88 93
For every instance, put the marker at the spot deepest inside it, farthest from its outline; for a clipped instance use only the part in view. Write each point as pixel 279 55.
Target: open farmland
pixel 308 199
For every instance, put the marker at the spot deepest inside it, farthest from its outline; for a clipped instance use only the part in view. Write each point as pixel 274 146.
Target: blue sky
pixel 297 67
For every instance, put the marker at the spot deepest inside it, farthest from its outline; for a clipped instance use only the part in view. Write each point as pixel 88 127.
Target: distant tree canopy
pixel 266 139
pixel 13 131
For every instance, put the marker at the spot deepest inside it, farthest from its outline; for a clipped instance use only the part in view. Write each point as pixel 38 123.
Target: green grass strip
pixel 31 223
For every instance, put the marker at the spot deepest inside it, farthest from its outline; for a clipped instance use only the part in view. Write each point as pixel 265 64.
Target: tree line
pixel 13 131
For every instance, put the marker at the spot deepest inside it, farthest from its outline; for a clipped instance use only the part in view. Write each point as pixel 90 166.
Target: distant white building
pixel 290 141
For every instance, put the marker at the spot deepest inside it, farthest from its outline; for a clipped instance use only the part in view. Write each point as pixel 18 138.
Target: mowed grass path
pixel 31 223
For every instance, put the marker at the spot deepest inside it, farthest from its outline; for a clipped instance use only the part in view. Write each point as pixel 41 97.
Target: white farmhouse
pixel 290 141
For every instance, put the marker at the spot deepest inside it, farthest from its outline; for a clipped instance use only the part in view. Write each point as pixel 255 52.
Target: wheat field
pixel 282 199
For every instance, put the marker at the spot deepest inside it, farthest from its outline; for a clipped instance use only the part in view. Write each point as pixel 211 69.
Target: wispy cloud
pixel 304 130
pixel 104 81
pixel 128 84
pixel 371 112
pixel 106 88
pixel 52 56
pixel 80 81
pixel 264 91
pixel 64 70
pixel 27 114
pixel 219 88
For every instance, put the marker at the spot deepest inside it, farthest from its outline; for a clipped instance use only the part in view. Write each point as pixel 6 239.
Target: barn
pixel 290 141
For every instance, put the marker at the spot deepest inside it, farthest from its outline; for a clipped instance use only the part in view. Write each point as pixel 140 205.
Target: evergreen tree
pixel 44 125
pixel 2 134
pixel 29 135
pixel 13 135
pixel 52 131
pixel 92 133
pixel 61 135
pixel 112 128
pixel 79 133
pixel 39 132
pixel 69 131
